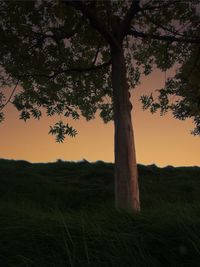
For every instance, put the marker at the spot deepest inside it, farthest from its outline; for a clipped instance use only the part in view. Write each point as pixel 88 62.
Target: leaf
pixel 25 115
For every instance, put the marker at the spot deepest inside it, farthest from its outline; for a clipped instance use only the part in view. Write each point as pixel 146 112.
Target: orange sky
pixel 160 140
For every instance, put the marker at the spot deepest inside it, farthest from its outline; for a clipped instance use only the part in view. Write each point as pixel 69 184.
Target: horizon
pixel 92 162
pixel 160 140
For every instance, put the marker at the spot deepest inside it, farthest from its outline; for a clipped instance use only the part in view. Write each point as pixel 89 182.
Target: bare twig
pixel 96 55
pixel 12 93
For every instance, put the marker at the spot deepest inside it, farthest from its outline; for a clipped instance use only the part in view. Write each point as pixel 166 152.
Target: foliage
pixel 181 94
pixel 53 67
pixel 60 52
pixel 185 89
pixel 60 130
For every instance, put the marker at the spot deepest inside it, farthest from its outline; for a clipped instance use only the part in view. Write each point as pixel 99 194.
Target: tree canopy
pixel 58 55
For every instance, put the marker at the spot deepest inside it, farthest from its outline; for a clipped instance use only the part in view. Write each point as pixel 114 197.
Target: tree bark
pixel 126 175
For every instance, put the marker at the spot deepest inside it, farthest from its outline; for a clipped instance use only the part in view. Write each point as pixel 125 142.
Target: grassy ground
pixel 61 214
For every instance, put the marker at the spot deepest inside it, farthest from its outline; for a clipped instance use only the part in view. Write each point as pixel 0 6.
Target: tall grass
pixel 62 214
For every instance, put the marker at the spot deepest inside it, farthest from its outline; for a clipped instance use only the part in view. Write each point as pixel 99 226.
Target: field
pixel 62 214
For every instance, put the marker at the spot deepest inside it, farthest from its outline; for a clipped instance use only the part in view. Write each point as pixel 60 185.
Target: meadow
pixel 62 214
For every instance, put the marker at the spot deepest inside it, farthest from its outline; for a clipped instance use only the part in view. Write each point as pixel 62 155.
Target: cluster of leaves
pixel 184 88
pixel 60 130
pixel 106 113
pixel 187 84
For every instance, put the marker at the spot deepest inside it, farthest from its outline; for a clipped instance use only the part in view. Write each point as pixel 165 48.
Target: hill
pixel 62 214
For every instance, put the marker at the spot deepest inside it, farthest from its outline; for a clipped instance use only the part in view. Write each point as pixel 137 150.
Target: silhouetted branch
pixel 87 69
pixel 75 69
pixel 163 5
pixel 94 21
pixel 167 38
pixel 12 93
pixel 162 27
pixel 54 36
pixel 96 55
pixel 133 10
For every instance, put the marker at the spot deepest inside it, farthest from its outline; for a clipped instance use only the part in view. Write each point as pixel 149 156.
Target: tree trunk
pixel 126 175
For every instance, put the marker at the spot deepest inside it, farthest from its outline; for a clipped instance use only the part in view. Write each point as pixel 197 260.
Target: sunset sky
pixel 160 140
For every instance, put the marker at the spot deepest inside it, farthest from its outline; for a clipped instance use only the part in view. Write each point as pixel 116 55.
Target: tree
pixel 79 57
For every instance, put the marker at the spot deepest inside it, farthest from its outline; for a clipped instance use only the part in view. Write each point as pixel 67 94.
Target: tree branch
pixel 75 69
pixel 96 55
pixel 134 9
pixel 162 27
pixel 94 21
pixel 165 5
pixel 12 93
pixel 55 36
pixel 167 38
pixel 87 69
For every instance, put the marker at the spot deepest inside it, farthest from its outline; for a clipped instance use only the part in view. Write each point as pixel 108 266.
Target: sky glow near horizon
pixel 158 140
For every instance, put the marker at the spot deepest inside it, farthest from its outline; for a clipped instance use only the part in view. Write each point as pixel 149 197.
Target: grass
pixel 62 214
